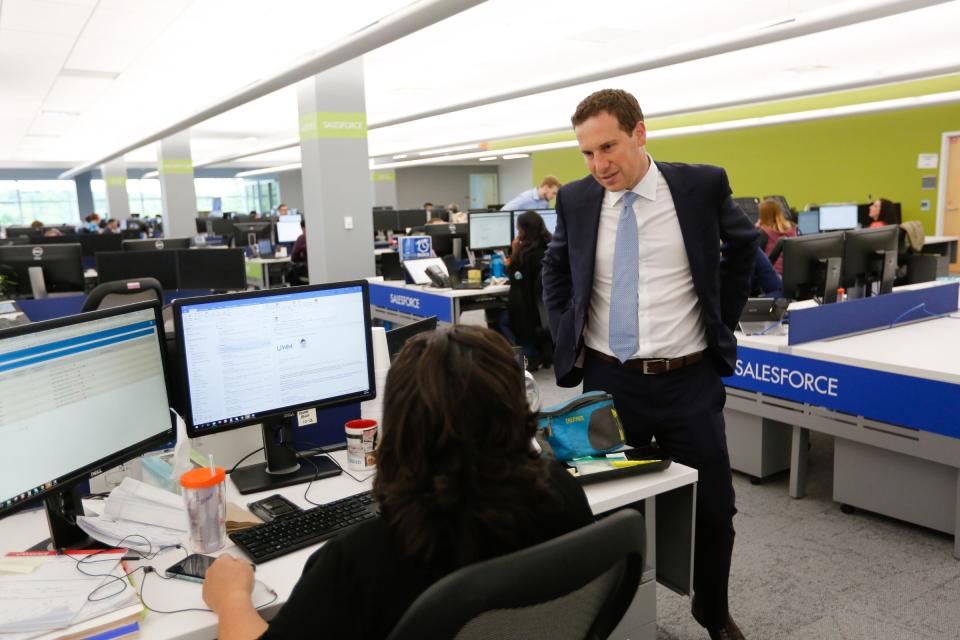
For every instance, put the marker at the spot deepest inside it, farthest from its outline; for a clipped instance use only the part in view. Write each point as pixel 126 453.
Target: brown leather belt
pixel 650 366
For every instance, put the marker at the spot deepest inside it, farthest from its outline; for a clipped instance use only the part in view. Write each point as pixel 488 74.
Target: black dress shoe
pixel 729 631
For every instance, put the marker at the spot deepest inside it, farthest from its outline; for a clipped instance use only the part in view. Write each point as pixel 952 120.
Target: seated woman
pixel 458 482
pixel 521 322
pixel 776 226
pixel 882 212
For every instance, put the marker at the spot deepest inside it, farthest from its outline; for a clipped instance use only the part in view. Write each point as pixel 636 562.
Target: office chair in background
pixel 576 586
pixel 120 292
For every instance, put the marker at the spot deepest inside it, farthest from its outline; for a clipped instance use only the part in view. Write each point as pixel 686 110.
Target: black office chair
pixel 120 292
pixel 576 586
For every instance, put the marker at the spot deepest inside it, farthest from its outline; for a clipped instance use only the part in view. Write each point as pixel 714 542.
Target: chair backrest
pixel 575 586
pixel 120 292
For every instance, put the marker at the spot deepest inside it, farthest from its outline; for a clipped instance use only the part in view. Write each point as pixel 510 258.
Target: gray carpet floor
pixel 804 570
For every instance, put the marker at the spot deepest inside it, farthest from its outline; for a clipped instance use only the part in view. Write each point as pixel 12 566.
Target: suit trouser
pixel 683 410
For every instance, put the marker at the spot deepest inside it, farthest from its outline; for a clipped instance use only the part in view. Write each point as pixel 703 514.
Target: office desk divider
pixel 867 314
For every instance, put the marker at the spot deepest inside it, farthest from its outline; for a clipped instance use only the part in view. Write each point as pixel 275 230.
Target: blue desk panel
pixel 412 301
pixel 915 403
pixel 59 307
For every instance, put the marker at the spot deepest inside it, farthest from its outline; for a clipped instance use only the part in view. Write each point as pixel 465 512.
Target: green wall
pixel 846 158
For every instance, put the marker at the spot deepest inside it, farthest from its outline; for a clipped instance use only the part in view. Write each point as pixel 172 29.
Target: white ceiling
pixel 79 78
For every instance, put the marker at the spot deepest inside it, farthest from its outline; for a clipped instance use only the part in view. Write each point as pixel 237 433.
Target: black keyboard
pixel 280 537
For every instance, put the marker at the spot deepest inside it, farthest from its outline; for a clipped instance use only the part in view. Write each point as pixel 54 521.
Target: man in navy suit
pixel 643 283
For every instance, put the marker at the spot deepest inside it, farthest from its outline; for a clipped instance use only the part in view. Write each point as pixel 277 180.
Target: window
pixel 230 191
pixel 50 201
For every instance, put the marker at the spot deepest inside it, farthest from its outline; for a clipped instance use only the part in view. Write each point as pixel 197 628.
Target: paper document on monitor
pixel 152 517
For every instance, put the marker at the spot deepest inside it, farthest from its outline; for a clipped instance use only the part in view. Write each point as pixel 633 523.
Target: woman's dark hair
pixel 532 233
pixel 457 478
pixel 888 212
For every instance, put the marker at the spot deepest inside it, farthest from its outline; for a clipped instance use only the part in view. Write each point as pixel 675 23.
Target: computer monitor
pixel 386 220
pixel 443 238
pixel 247 234
pixel 156 244
pixel 409 218
pixel 14 231
pixel 288 228
pixel 396 338
pixel 838 217
pixel 78 395
pixel 123 265
pixel 259 357
pixel 869 258
pixel 549 220
pixel 201 224
pixel 750 206
pixel 811 266
pixel 61 264
pixel 492 230
pixel 808 223
pixel 222 227
pixel 216 269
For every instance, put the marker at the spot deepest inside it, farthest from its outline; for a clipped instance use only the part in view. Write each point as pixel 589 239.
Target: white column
pixel 175 167
pixel 115 178
pixel 336 174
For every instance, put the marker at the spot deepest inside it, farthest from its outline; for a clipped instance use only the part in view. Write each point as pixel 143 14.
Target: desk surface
pixel 494 289
pixel 939 239
pixel 24 529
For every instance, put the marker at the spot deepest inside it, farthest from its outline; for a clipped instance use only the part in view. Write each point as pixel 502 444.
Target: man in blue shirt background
pixel 536 198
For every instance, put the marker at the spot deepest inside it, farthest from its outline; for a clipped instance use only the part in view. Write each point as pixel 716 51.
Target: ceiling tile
pixel 44 16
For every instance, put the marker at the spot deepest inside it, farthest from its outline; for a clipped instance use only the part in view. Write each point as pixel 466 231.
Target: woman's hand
pixel 228 583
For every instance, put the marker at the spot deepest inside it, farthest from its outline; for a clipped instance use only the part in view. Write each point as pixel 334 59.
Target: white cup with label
pixel 362 438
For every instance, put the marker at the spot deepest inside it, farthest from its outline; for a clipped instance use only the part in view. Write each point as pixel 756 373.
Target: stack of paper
pixel 46 596
pixel 148 517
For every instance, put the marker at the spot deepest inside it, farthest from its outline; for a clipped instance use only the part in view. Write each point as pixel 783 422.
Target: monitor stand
pixel 62 508
pixel 283 467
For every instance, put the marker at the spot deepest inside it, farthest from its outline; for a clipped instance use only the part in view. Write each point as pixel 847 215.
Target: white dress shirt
pixel 670 324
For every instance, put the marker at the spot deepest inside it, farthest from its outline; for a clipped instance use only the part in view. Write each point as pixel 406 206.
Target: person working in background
pixel 520 322
pixel 436 221
pixel 765 282
pixel 113 226
pixel 772 222
pixel 458 482
pixel 457 216
pixel 536 198
pixel 641 306
pixel 52 232
pixel 882 212
pixel 37 226
pixel 299 251
pixel 282 209
pixel 428 207
pixel 92 223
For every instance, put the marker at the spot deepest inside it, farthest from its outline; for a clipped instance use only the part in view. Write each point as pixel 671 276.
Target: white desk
pixel 395 301
pixel 944 245
pixel 907 471
pixel 668 499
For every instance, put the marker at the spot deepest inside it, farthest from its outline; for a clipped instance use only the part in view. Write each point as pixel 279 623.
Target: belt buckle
pixel 657 361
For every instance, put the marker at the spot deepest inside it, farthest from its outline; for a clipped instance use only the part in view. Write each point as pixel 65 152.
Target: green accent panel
pixel 543 138
pixel 254 271
pixel 333 124
pixel 848 158
pixel 116 181
pixel 176 167
pixel 383 176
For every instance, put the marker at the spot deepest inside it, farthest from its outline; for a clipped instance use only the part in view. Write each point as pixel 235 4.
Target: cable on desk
pixel 326 451
pixel 772 326
pixel 122 579
pixel 148 570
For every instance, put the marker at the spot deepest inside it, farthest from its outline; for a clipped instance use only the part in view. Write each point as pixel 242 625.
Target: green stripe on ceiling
pixel 176 166
pixel 909 89
pixel 333 124
pixel 383 176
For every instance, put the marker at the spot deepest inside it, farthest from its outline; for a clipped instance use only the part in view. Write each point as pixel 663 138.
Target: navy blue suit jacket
pixel 707 215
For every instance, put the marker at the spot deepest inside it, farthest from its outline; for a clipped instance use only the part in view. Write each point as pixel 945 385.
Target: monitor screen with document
pixel 838 217
pixel 493 230
pixel 259 357
pixel 78 395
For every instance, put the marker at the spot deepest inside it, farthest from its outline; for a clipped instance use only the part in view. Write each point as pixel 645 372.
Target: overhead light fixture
pixel 487 158
pixel 250 139
pixel 459 147
pixel 150 174
pixel 515 156
pixel 59 114
pixel 400 156
pixel 89 73
pixel 261 172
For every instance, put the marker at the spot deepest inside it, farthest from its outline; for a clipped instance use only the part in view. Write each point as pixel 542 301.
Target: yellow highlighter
pixel 619 464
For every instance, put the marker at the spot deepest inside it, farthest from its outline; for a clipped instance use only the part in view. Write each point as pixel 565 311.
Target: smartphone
pixel 193 568
pixel 273 507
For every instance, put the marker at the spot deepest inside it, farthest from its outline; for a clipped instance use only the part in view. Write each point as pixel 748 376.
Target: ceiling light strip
pixel 814 22
pixel 401 23
pixel 262 172
pixel 895 104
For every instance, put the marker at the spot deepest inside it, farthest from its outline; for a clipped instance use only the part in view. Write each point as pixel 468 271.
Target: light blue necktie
pixel 624 332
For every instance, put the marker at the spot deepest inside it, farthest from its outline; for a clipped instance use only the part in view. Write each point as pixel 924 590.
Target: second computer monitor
pixel 216 269
pixel 808 223
pixel 156 244
pixel 811 266
pixel 61 265
pixel 838 217
pixel 124 265
pixel 250 233
pixel 549 220
pixel 493 230
pixel 870 256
